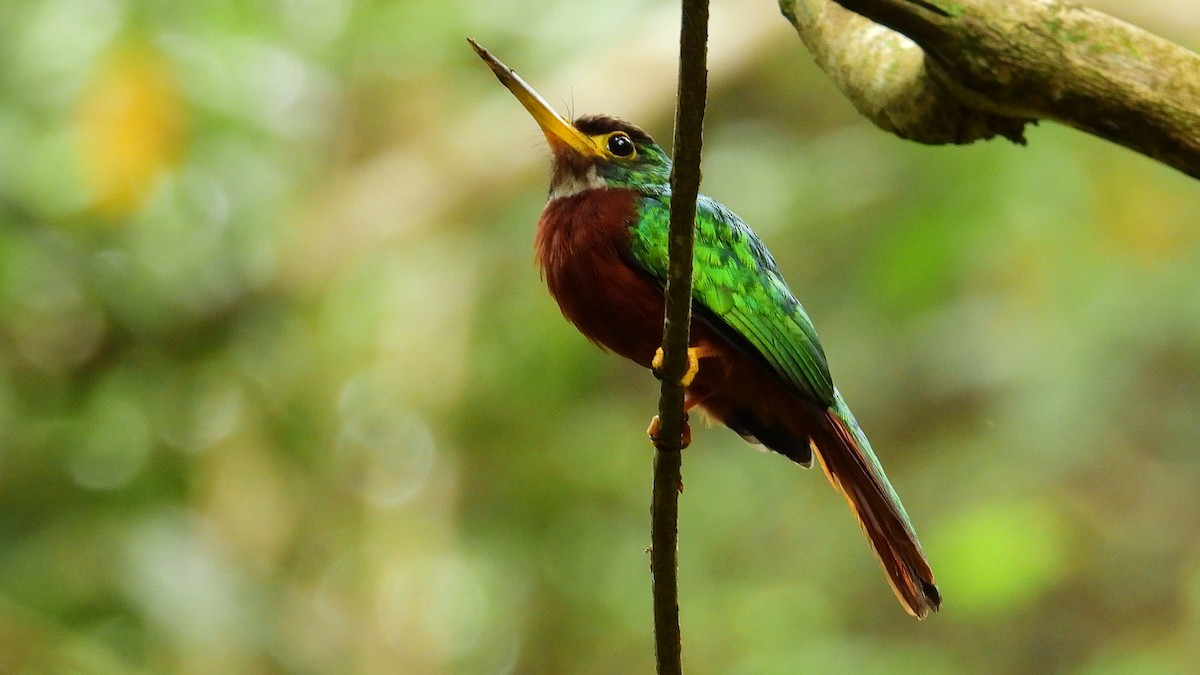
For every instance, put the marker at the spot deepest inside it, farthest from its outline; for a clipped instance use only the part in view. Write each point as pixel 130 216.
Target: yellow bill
pixel 557 129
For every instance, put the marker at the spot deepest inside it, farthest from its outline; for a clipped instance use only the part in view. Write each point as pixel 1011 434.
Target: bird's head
pixel 595 151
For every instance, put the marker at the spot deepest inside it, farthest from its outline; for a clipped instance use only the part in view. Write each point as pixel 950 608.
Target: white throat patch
pixel 570 186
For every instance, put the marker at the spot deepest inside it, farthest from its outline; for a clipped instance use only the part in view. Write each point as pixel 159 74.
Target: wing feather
pixel 738 282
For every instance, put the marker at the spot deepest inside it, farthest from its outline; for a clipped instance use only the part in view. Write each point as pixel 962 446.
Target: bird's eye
pixel 620 145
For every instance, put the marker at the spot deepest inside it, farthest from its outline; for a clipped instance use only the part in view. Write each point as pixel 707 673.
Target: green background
pixel 281 390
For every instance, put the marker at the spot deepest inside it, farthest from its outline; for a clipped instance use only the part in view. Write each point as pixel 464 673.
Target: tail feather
pixel 851 466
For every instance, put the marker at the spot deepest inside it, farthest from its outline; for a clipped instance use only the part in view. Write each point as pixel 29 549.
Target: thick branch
pixel 685 184
pixel 884 75
pixel 987 67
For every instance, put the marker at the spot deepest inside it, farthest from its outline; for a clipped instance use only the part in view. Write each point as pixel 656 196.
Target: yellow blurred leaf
pixel 132 127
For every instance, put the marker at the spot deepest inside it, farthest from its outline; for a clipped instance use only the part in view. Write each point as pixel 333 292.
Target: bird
pixel 755 363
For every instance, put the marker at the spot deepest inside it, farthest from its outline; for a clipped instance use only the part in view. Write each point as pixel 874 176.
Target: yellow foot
pixel 685 435
pixel 693 367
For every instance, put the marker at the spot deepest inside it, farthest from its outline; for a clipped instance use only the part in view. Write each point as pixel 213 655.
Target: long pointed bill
pixel 557 129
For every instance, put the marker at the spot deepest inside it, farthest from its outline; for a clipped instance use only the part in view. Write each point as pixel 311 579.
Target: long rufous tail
pixel 851 465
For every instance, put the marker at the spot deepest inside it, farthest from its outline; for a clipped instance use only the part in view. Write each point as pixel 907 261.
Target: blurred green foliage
pixel 280 389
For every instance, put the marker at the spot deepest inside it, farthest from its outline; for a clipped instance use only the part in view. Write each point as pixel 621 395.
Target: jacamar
pixel 602 245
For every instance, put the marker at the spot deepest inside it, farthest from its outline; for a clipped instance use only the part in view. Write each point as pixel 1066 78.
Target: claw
pixel 685 435
pixel 693 367
pixel 653 429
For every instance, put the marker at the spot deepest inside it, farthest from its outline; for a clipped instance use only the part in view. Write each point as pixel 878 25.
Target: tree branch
pixel 955 71
pixel 685 185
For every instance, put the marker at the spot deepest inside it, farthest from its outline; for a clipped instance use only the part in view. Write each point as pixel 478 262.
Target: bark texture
pixel 956 71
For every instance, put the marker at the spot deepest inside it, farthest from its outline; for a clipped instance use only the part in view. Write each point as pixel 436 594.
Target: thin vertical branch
pixel 685 184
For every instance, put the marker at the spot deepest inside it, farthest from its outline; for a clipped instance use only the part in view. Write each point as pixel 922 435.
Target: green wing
pixel 736 280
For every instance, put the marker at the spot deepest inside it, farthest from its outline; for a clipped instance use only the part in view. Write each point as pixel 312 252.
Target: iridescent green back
pixel 736 279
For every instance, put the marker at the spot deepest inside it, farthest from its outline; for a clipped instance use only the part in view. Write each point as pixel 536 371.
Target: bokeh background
pixel 281 390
